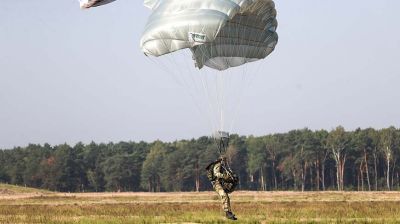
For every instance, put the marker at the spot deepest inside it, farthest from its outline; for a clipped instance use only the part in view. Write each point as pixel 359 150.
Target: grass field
pixel 26 205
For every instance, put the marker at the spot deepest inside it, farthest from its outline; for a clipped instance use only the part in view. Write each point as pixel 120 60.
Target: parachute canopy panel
pixel 220 33
pixel 85 4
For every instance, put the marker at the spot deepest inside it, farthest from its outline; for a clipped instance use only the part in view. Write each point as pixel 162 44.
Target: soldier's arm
pixel 217 171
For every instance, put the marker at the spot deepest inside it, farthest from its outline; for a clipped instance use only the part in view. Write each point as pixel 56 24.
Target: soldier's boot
pixel 230 215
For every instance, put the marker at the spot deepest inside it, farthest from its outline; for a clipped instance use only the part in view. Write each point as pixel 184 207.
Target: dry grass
pixel 203 207
pixel 7 189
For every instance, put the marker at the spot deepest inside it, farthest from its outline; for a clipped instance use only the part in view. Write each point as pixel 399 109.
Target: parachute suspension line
pixel 204 86
pixel 207 94
pixel 220 85
pixel 245 80
pixel 198 76
pixel 226 78
pixel 217 100
pixel 217 90
pixel 200 100
pixel 241 96
pixel 213 98
pixel 181 81
pixel 165 69
pixel 168 59
pixel 222 98
pixel 216 95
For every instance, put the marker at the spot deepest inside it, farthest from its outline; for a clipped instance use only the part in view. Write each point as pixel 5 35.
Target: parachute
pixel 220 33
pixel 85 4
pixel 218 37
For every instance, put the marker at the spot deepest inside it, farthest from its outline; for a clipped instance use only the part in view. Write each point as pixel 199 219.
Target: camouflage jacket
pixel 227 180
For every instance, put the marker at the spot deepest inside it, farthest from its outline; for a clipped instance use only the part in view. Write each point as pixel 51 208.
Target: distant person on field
pixel 224 182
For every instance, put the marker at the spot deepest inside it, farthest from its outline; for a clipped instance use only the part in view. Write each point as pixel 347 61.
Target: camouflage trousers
pixel 226 204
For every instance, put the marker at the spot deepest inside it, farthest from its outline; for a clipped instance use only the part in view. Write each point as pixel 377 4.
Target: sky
pixel 69 75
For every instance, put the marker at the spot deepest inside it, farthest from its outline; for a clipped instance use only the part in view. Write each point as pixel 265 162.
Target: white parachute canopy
pixel 85 4
pixel 220 33
pixel 221 38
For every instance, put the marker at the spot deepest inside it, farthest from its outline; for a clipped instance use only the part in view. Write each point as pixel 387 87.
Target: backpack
pixel 210 170
pixel 230 185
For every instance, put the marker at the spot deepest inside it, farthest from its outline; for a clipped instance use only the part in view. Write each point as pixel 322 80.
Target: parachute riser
pixel 222 140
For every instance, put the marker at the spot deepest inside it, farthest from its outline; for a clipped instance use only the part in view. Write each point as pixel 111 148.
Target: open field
pixel 31 206
pixel 7 189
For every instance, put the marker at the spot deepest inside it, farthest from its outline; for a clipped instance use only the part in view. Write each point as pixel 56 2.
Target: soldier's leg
pixel 226 205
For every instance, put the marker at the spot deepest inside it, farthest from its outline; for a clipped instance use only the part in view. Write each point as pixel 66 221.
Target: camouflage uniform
pixel 226 205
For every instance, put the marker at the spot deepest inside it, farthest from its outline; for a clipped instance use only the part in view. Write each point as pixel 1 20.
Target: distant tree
pixel 363 159
pixel 181 165
pixel 388 143
pixel 36 153
pixel 273 146
pixel 94 156
pixel 237 158
pixel 257 160
pixel 4 177
pixel 121 172
pixel 152 168
pixel 338 141
pixel 305 145
pixel 17 166
pixel 322 153
pixel 364 145
pixel 191 163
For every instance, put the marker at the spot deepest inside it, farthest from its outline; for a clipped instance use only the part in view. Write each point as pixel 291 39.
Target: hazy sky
pixel 68 75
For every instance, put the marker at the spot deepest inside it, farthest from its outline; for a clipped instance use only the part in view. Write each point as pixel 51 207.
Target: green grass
pixel 204 207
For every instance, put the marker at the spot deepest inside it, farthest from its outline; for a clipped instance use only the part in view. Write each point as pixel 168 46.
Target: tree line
pixel 302 160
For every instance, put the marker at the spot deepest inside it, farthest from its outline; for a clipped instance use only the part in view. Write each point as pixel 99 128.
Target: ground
pixel 27 205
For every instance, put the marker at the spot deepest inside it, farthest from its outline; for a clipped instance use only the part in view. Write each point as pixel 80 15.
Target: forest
pixel 299 160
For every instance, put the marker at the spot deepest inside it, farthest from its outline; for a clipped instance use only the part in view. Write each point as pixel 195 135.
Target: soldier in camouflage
pixel 221 185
